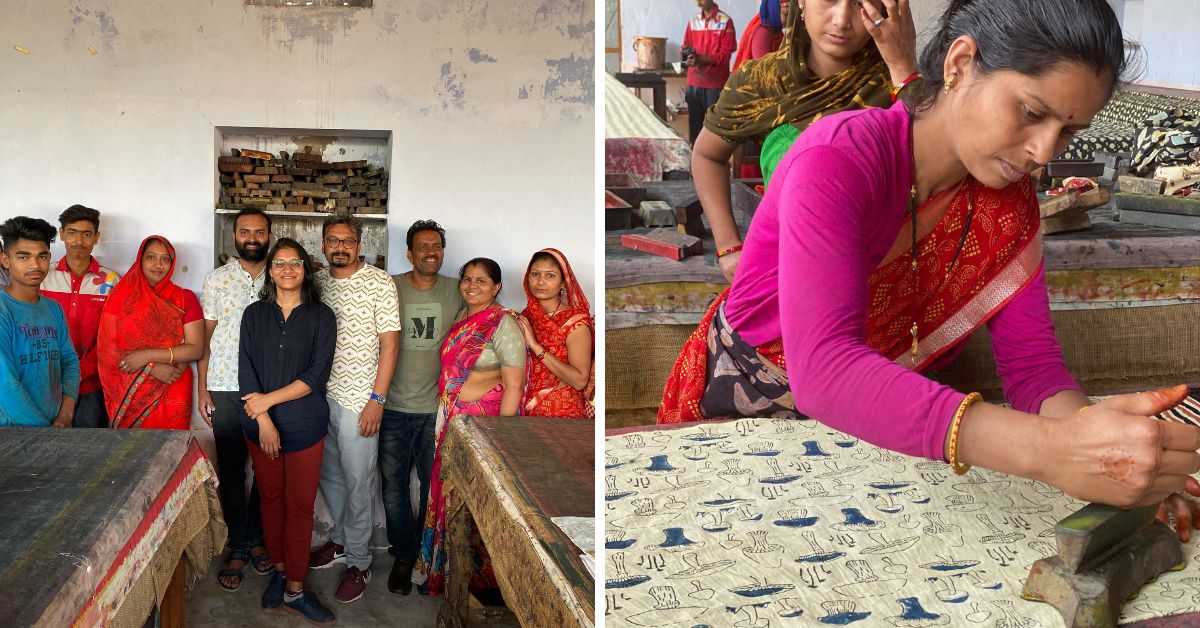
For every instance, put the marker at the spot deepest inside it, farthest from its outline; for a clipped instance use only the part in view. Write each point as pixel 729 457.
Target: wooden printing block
pixel 234 160
pixel 234 168
pixel 372 210
pixel 1138 185
pixel 281 178
pixel 356 189
pixel 1069 221
pixel 250 185
pixel 306 185
pixel 617 213
pixel 1054 205
pixel 320 165
pixel 347 165
pixel 275 207
pixel 1159 219
pixel 376 196
pixel 1105 555
pixel 255 201
pixel 377 188
pixel 311 193
pixel 266 193
pixel 307 155
pixel 224 200
pixel 292 207
pixel 256 154
pixel 299 172
pixel 225 178
pixel 1178 205
pixel 1074 168
pixel 277 187
pixel 266 170
pixel 333 179
pixel 666 243
pixel 283 163
pixel 339 194
pixel 256 178
pixel 656 214
pixel 687 220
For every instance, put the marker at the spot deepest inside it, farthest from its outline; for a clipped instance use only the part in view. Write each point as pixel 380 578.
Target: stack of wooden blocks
pixel 301 182
pixel 1149 202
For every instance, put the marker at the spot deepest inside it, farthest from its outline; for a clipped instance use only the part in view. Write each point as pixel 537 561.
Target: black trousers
pixel 699 99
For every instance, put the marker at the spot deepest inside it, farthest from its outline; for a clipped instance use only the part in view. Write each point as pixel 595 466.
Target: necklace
pixel 912 214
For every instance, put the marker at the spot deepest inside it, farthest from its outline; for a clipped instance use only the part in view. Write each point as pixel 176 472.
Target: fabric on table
pixel 542 454
pixel 760 521
pixel 636 140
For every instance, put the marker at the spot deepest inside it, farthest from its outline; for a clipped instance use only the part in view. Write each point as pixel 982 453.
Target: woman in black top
pixel 286 352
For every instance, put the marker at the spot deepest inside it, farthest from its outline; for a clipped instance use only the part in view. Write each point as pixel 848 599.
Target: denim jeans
pixel 405 441
pixel 242 514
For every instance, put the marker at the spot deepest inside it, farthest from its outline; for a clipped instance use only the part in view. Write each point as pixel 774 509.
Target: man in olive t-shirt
pixel 429 303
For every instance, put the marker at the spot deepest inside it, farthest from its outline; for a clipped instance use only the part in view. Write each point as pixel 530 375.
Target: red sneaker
pixel 353 585
pixel 326 555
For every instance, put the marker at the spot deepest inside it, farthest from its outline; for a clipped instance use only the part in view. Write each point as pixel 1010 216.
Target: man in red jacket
pixel 81 286
pixel 709 42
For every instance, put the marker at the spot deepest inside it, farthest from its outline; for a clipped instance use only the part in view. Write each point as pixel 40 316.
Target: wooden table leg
pixel 453 613
pixel 171 611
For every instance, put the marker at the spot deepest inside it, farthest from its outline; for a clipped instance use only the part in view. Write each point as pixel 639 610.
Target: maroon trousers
pixel 287 488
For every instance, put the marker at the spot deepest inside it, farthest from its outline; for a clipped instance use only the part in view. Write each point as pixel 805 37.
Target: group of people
pixel 322 378
pixel 899 217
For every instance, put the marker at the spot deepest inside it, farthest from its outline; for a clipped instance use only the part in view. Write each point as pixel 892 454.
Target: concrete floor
pixel 207 605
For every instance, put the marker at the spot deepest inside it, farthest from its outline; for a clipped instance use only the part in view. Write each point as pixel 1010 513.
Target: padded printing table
pixel 769 522
pixel 512 475
pixel 97 525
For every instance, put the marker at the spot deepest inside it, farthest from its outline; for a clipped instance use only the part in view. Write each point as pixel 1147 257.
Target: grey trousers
pixel 348 475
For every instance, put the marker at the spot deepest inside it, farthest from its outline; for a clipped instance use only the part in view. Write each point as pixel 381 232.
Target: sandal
pixel 261 563
pixel 233 572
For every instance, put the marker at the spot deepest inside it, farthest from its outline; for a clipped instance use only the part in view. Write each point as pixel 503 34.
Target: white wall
pixel 1170 47
pixel 491 108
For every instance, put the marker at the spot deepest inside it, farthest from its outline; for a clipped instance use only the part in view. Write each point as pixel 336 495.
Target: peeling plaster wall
pixel 491 107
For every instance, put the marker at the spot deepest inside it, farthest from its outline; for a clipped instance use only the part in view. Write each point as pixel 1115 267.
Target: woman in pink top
pixel 889 236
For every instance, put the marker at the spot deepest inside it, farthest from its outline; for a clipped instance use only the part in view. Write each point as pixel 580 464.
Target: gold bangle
pixel 959 468
pixel 172 352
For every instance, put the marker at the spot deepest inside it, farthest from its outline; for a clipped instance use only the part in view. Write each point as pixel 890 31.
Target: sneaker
pixel 310 608
pixel 272 597
pixel 326 555
pixel 353 585
pixel 400 580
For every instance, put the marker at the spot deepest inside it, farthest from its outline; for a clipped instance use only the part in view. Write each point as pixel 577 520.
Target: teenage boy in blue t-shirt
pixel 39 370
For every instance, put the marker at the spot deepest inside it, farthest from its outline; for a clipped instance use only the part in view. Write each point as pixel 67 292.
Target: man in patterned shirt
pixel 368 341
pixel 226 293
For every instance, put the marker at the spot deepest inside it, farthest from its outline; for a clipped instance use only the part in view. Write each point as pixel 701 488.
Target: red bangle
pixel 733 249
pixel 896 90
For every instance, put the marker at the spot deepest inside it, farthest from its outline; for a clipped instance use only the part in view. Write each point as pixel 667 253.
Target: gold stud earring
pixel 951 81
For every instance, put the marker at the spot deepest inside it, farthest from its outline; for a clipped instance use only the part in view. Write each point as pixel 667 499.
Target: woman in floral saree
pixel 483 374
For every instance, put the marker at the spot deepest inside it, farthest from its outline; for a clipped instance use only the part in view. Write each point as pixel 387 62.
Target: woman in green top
pixel 836 55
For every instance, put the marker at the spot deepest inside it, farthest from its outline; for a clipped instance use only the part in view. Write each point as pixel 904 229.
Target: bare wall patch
pixel 571 79
pixel 106 27
pixel 479 56
pixel 452 89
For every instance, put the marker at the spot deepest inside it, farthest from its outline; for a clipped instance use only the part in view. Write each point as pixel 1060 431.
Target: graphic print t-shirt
pixel 425 317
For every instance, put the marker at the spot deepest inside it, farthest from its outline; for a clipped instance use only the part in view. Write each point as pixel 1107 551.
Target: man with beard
pixel 428 304
pixel 227 291
pixel 39 371
pixel 363 299
pixel 81 285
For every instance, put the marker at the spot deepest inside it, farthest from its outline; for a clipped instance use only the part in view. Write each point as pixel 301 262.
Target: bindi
pixel 1117 464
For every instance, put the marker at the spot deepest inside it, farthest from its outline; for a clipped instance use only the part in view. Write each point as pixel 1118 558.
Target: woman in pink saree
pixel 483 374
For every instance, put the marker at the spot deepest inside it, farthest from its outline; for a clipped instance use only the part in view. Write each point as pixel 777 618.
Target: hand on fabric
pixel 257 403
pixel 896 36
pixel 728 264
pixel 134 361
pixel 62 420
pixel 530 337
pixel 205 406
pixel 369 419
pixel 1114 453
pixel 165 373
pixel 268 437
pixel 1186 511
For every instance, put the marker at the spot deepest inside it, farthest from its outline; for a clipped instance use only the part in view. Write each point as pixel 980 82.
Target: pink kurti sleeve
pixel 1028 357
pixel 828 208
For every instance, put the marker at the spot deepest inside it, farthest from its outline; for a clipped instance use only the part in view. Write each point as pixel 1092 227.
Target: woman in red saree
pixel 558 326
pixel 889 236
pixel 149 330
pixel 483 374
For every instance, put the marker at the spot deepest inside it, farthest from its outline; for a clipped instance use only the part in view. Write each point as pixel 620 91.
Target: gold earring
pixel 951 81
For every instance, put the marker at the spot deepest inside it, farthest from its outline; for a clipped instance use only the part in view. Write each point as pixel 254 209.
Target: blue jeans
pixel 405 441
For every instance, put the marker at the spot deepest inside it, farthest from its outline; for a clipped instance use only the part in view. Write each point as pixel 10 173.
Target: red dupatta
pixel 546 394
pixel 1001 254
pixel 138 316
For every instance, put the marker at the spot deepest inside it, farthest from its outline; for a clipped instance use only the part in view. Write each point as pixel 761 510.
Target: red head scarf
pixel 546 394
